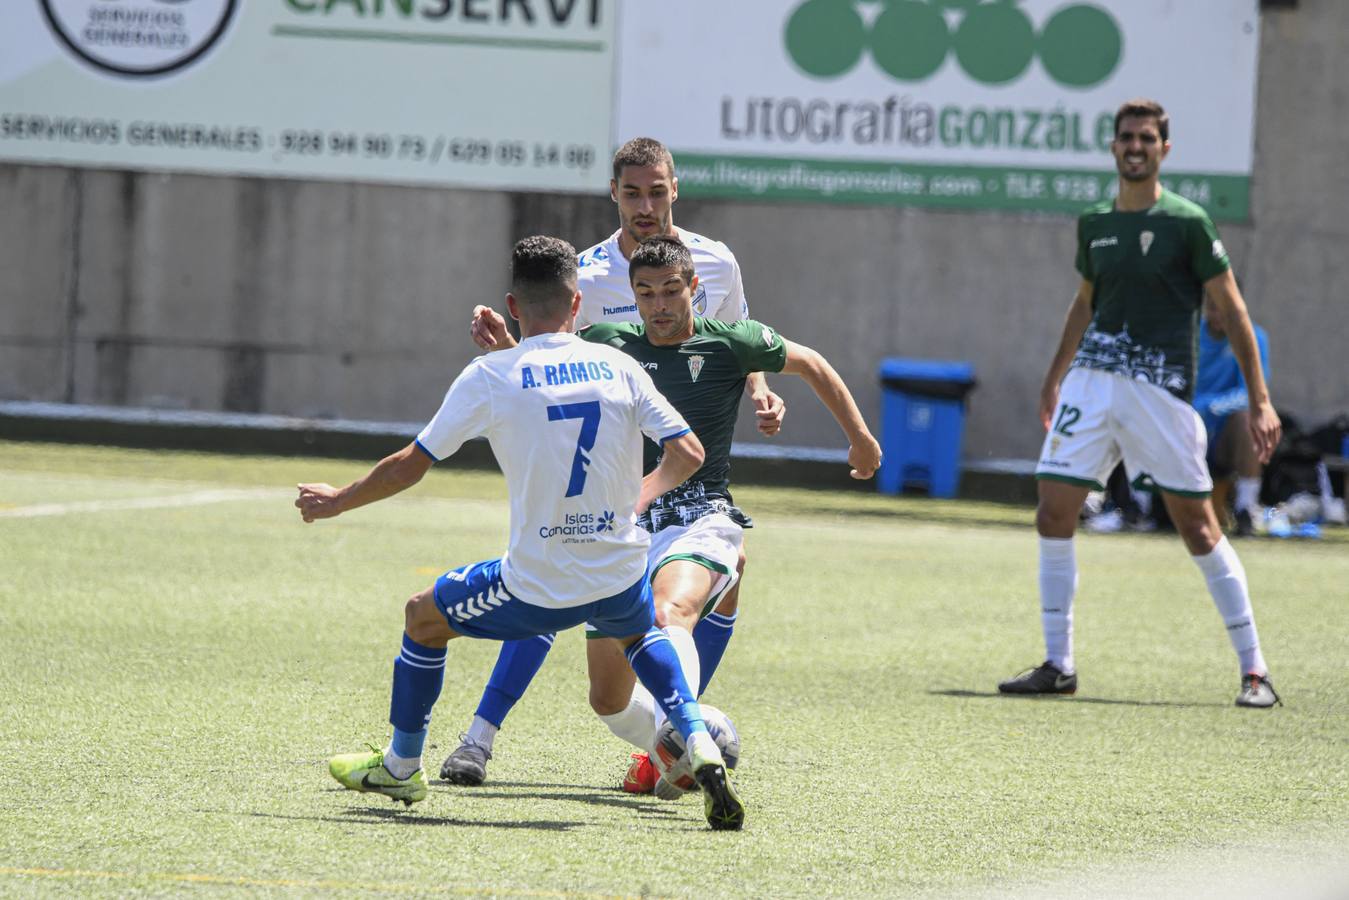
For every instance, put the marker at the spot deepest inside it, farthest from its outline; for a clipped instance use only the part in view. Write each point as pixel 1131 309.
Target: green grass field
pixel 179 655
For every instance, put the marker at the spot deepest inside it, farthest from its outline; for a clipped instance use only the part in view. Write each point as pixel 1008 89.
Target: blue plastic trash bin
pixel 922 423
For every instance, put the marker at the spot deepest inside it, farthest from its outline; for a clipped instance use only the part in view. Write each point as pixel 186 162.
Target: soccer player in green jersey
pixel 644 189
pixel 1119 387
pixel 700 366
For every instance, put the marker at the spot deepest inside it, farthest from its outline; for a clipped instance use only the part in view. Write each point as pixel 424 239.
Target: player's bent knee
pixel 1200 538
pixel 729 604
pixel 1058 507
pixel 1053 522
pixel 1195 522
pixel 678 611
pixel 424 622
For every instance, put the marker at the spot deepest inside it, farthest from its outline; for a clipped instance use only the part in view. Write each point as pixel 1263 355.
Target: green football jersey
pixel 1148 270
pixel 704 379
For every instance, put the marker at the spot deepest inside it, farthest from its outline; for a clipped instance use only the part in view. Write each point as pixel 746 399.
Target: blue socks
pixel 418 674
pixel 711 636
pixel 654 660
pixel 517 664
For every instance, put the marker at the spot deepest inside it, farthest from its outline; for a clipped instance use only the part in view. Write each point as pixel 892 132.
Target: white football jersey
pixel 565 419
pixel 606 292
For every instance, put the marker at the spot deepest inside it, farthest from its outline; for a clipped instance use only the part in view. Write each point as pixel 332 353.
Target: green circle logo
pixel 994 41
pixel 1080 46
pixel 825 38
pixel 909 40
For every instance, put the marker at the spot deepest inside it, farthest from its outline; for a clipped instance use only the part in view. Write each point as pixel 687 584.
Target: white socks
pixel 687 651
pixel 1227 584
pixel 398 766
pixel 1058 584
pixel 482 733
pixel 1247 494
pixel 637 724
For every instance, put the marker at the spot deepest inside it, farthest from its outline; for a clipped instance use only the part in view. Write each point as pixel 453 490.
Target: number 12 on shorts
pixel 1068 415
pixel 589 414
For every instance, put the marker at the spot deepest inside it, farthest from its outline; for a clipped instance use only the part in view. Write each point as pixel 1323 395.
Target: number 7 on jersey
pixel 589 414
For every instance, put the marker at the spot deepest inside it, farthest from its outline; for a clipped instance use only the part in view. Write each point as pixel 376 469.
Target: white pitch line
pixel 196 498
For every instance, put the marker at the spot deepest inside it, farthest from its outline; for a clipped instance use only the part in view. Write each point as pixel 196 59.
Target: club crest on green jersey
pixel 696 366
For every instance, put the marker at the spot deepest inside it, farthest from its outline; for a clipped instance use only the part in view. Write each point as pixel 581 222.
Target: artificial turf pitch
pixel 179 655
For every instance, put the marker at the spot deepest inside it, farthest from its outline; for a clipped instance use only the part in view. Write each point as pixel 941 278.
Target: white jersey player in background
pixel 644 188
pixel 565 420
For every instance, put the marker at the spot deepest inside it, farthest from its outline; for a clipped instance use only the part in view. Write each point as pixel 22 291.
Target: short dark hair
pixel 642 151
pixel 543 273
pixel 1142 108
pixel 661 251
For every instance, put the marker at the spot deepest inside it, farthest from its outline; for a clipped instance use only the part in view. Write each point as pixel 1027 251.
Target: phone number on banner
pixel 33 129
pixel 433 150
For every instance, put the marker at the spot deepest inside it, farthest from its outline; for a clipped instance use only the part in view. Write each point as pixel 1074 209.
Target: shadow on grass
pixel 612 797
pixel 949 515
pixel 408 817
pixel 1077 698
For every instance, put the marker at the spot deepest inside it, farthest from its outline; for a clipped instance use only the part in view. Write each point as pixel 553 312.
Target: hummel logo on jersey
pixel 1111 241
pixel 767 336
pixel 475 606
pixel 599 254
pixel 1145 241
pixel 696 366
pixel 1219 251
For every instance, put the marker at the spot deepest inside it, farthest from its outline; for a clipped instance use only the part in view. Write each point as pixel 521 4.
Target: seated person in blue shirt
pixel 1220 398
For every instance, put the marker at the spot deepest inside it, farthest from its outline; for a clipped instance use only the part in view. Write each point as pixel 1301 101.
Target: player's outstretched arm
pixel 680 457
pixel 488 330
pixel 394 473
pixel 1074 326
pixel 864 453
pixel 1265 426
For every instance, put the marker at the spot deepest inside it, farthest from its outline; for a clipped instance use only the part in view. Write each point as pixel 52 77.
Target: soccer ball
pixel 671 757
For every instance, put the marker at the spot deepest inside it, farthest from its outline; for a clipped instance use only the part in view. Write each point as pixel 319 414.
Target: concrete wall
pixel 243 295
pixel 352 300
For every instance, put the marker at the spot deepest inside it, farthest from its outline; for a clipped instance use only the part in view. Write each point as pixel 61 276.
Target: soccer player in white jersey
pixel 644 189
pixel 565 420
pixel 1119 387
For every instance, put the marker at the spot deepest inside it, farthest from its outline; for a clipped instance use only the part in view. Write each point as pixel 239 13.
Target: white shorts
pixel 1103 418
pixel 712 542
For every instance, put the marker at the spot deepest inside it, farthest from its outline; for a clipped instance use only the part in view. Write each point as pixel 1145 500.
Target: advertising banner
pixel 1006 104
pixel 513 94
